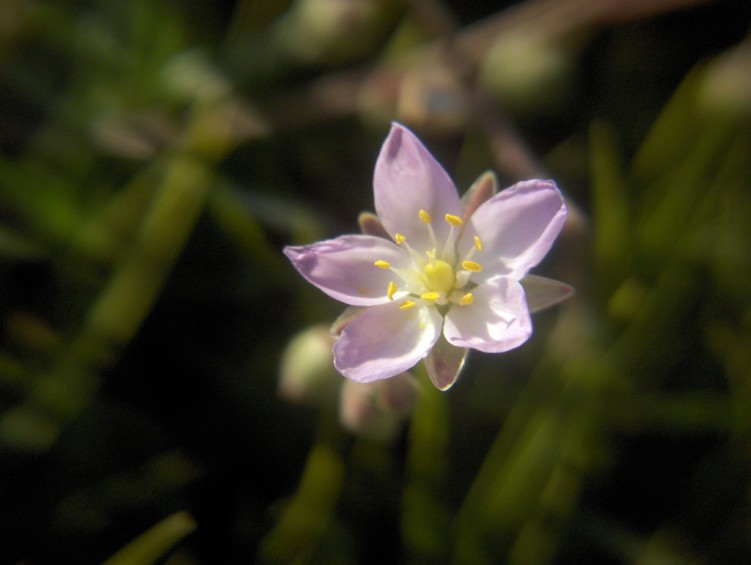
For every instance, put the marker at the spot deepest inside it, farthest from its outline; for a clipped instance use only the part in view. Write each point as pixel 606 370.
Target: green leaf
pixel 610 206
pixel 15 246
pixel 155 542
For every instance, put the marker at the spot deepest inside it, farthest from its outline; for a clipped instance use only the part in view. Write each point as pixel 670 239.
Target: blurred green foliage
pixel 155 158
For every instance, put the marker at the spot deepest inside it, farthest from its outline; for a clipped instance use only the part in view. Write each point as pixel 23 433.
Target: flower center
pixel 436 276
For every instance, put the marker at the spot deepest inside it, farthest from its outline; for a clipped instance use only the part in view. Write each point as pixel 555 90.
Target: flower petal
pixel 496 321
pixel 344 267
pixel 385 340
pixel 407 179
pixel 346 317
pixel 517 227
pixel 444 363
pixel 543 293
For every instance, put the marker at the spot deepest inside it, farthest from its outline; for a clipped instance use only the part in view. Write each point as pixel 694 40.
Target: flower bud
pixel 332 31
pixel 398 395
pixel 377 409
pixel 190 75
pixel 528 73
pixel 726 88
pixel 307 374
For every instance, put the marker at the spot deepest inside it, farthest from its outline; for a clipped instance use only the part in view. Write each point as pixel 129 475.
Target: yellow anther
pixel 453 220
pixel 478 243
pixel 467 299
pixel 391 290
pixel 432 295
pixel 382 264
pixel 407 304
pixel 471 266
pixel 399 238
pixel 424 216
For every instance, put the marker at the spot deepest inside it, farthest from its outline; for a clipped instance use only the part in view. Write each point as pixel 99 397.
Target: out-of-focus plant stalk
pixel 126 299
pixel 611 208
pixel 309 513
pixel 532 475
pixel 150 546
pixel 108 233
pixel 120 309
pixel 234 217
pixel 425 520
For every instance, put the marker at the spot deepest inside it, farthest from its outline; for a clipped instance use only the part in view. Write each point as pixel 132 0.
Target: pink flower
pixel 438 275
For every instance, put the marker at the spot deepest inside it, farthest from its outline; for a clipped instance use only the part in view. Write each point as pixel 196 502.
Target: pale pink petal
pixel 517 227
pixel 346 317
pixel 385 340
pixel 543 293
pixel 444 363
pixel 344 267
pixel 407 179
pixel 497 320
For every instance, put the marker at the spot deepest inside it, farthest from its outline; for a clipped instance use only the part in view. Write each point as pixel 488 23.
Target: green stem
pixel 310 512
pixel 425 520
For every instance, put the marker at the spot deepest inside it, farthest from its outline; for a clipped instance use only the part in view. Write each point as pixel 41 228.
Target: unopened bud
pixel 307 374
pixel 528 73
pixel 376 410
pixel 726 88
pixel 332 31
pixel 190 75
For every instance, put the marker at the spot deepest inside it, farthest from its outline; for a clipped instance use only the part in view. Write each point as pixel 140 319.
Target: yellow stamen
pixel 424 216
pixel 467 299
pixel 407 304
pixel 391 290
pixel 478 243
pixel 432 295
pixel 453 220
pixel 399 238
pixel 382 264
pixel 471 266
